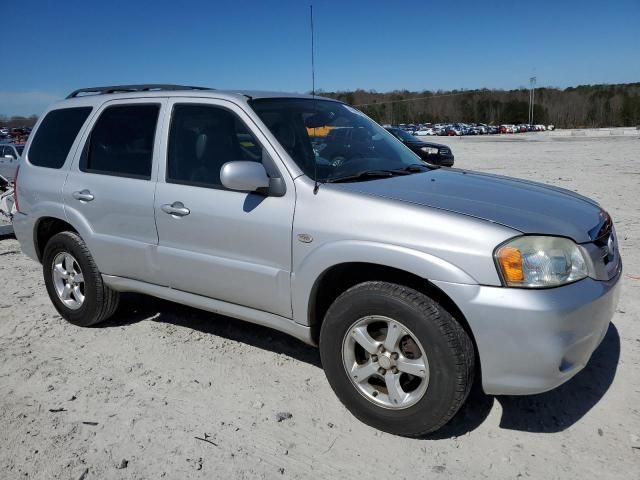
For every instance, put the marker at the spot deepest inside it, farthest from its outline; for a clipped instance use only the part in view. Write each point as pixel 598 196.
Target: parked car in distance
pixel 10 159
pixel 434 153
pixel 425 132
pixel 411 279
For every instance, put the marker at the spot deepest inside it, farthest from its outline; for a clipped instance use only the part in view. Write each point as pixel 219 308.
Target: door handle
pixel 84 195
pixel 176 209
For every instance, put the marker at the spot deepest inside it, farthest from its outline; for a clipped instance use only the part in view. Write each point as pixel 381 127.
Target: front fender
pixel 329 255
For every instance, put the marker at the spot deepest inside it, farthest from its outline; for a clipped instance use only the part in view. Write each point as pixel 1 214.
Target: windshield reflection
pixel 333 139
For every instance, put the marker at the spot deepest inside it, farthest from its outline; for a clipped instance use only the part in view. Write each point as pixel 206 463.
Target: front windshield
pixel 331 138
pixel 398 132
pixel 20 149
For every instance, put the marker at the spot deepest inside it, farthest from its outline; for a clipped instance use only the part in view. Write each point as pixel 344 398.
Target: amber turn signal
pixel 510 260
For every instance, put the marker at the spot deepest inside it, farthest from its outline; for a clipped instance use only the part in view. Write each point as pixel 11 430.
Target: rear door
pixel 223 244
pixel 110 187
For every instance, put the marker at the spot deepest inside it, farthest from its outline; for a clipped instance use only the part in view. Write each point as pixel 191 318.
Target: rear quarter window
pixel 55 135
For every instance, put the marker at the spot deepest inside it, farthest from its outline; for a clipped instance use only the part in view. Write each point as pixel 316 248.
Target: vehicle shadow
pixel 549 412
pixel 562 407
pixel 137 307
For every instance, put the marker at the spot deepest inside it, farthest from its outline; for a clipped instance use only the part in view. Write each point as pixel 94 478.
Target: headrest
pixel 201 145
pixel 285 134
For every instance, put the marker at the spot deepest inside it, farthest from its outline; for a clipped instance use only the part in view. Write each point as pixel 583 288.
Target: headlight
pixel 429 150
pixel 538 262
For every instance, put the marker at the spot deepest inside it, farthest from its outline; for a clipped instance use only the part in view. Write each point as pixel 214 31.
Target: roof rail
pixel 132 88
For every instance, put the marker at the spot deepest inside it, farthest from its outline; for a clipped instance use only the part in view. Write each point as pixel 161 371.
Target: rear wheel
pixel 74 283
pixel 396 359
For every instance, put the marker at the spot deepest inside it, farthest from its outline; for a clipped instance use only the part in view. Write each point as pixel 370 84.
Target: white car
pixel 9 159
pixel 424 132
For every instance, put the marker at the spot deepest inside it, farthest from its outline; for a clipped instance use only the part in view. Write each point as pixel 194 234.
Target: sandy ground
pixel 129 398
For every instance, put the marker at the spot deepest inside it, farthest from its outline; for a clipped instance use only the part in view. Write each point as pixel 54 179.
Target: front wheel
pixel 74 283
pixel 395 358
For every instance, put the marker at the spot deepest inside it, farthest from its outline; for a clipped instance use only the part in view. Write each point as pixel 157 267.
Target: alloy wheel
pixel 68 280
pixel 385 362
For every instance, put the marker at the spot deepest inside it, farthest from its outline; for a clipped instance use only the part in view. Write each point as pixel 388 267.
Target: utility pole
pixel 532 94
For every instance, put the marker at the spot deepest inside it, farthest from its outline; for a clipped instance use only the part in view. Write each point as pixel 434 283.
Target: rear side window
pixel 55 136
pixel 121 142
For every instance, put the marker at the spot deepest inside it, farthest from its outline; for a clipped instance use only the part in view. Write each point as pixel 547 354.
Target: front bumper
pixel 531 341
pixel 437 159
pixel 444 160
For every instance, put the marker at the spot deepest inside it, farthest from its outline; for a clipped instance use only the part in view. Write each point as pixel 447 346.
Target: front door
pixel 227 245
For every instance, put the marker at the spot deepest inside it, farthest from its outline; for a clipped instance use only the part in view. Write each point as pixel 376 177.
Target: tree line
pixel 573 107
pixel 18 121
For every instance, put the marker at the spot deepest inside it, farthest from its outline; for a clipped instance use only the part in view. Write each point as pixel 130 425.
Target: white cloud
pixel 26 102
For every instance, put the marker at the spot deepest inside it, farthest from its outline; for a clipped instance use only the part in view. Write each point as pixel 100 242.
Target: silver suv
pixel 411 278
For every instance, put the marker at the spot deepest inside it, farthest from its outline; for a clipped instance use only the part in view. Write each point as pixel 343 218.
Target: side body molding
pixel 331 254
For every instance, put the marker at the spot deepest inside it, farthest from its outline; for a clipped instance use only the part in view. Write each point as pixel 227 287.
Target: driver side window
pixel 202 138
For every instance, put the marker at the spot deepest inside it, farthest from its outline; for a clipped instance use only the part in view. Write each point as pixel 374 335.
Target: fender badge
pixel 305 238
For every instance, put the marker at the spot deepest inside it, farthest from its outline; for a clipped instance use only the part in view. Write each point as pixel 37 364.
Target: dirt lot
pixel 129 398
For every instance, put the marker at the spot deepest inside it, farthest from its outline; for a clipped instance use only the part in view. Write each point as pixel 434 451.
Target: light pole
pixel 532 94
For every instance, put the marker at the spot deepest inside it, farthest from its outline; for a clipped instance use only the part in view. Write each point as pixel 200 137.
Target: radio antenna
pixel 313 66
pixel 316 185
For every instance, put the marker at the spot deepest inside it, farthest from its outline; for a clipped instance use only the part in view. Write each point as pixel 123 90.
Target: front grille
pixel 445 151
pixel 608 246
pixel 604 249
pixel 604 239
pixel 603 229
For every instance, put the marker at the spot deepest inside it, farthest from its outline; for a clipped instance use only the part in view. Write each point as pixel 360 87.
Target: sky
pixel 53 47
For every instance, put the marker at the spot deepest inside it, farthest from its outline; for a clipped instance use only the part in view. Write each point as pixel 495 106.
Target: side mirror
pixel 245 177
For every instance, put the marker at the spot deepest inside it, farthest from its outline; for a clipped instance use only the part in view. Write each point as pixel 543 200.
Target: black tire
pixel 100 301
pixel 448 348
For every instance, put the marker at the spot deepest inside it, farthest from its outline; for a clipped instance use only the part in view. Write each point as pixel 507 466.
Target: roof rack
pixel 132 88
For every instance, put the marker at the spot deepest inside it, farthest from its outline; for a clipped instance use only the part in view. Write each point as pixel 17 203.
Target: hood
pixel 529 207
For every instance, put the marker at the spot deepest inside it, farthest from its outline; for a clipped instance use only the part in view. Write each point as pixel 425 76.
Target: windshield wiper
pixel 368 174
pixel 418 167
pixel 415 167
